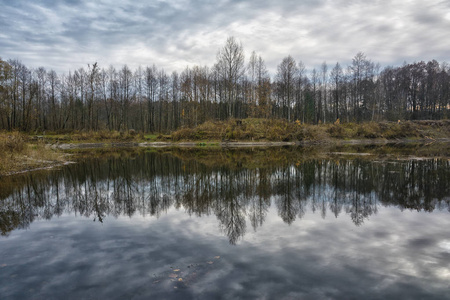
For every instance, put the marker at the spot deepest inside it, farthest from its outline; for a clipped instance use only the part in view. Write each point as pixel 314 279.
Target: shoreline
pixel 49 164
pixel 241 144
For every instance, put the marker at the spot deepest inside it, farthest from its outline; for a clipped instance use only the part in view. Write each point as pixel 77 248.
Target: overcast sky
pixel 68 34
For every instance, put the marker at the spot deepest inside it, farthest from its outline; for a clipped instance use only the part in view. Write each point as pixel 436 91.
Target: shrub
pixel 132 132
pixel 336 131
pixel 312 133
pixel 401 130
pixel 181 134
pixel 274 133
pixel 369 130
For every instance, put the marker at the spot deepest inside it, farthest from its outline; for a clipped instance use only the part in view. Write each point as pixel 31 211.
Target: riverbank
pixel 21 152
pixel 18 154
pixel 42 156
pixel 242 144
pixel 276 130
pixel 262 130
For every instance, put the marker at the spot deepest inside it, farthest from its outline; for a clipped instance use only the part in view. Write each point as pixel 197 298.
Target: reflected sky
pixel 395 253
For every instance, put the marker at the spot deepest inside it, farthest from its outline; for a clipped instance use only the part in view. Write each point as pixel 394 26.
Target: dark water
pixel 235 224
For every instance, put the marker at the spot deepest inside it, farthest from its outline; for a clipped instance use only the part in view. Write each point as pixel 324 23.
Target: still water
pixel 228 224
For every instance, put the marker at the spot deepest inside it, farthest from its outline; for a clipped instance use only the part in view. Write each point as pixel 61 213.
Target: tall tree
pixel 286 77
pixel 252 74
pixel 126 96
pixel 93 78
pixel 230 60
pixel 263 89
pixel 337 78
pixel 5 76
pixel 324 82
pixel 151 83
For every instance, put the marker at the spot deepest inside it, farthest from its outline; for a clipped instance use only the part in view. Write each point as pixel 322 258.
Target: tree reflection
pixel 152 183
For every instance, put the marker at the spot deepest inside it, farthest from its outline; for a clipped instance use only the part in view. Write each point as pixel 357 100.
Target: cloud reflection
pixel 290 248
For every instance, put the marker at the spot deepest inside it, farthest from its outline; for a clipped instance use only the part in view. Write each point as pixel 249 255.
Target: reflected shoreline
pixel 237 186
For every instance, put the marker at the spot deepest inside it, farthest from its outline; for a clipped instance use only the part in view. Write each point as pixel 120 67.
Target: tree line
pixel 148 99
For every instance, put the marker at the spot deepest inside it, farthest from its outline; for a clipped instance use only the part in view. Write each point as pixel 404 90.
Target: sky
pixel 65 35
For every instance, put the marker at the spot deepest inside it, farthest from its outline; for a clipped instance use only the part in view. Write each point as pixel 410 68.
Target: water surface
pixel 228 224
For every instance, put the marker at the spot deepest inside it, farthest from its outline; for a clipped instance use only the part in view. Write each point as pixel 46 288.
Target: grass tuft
pixel 17 153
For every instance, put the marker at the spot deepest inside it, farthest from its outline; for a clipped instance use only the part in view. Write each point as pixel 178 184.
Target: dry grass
pixel 246 129
pixel 18 154
pixel 281 130
pixel 254 129
pixel 12 142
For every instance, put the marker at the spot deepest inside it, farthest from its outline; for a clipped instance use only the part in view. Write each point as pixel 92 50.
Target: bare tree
pixel 93 82
pixel 252 71
pixel 125 80
pixel 263 89
pixel 151 83
pixel 299 86
pixel 230 60
pixel 53 81
pixel 336 77
pixel 286 77
pixel 316 105
pixel 324 72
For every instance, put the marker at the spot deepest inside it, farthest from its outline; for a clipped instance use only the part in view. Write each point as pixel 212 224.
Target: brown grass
pixel 246 129
pixel 12 142
pixel 281 130
pixel 18 153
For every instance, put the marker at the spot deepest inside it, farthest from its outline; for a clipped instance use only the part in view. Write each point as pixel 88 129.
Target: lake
pixel 282 223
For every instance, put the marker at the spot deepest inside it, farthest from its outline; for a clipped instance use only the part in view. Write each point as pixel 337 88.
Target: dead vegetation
pixel 281 130
pixel 272 130
pixel 19 153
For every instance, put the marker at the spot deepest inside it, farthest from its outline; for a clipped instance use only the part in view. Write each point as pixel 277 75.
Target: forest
pixel 148 99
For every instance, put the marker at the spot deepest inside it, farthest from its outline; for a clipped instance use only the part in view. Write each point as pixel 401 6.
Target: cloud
pixel 66 35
